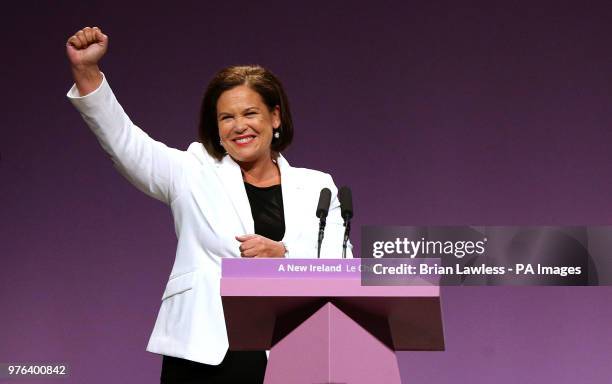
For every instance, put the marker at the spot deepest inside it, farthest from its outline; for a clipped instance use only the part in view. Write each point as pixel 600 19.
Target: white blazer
pixel 210 206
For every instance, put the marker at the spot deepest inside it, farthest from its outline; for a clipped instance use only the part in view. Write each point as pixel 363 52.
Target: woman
pixel 232 195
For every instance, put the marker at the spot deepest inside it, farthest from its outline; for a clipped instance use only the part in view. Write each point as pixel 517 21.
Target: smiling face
pixel 246 124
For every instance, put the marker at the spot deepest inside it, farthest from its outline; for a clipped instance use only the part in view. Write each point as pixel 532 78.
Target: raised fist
pixel 86 47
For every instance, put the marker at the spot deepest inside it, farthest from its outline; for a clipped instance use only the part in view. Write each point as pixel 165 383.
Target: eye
pixel 225 118
pixel 251 113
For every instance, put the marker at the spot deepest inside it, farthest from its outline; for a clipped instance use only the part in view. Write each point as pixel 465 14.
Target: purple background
pixel 433 113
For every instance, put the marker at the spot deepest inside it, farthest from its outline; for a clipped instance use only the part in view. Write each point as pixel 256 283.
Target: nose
pixel 241 125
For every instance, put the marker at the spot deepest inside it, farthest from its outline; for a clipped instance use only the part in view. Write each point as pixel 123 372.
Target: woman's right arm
pixel 150 165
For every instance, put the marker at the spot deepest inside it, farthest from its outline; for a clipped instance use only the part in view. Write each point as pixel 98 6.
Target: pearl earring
pixel 276 134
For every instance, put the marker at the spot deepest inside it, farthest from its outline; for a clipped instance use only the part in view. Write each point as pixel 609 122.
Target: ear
pixel 276 120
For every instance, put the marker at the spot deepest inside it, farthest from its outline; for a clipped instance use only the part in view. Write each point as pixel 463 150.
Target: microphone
pixel 346 203
pixel 323 206
pixel 322 210
pixel 346 211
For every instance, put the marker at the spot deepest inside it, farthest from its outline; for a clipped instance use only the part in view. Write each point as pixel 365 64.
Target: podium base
pixel 329 347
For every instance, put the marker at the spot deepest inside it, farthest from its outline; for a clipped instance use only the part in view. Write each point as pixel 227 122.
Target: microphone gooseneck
pixel 346 211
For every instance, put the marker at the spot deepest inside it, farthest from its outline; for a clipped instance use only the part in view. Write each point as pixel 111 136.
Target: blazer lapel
pixel 291 187
pixel 231 177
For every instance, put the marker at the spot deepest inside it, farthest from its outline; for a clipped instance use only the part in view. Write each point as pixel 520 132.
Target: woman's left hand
pixel 259 246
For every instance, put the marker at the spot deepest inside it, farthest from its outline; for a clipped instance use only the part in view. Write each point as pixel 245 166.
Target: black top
pixel 267 210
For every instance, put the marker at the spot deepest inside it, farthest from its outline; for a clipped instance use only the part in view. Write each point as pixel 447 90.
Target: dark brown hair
pixel 261 81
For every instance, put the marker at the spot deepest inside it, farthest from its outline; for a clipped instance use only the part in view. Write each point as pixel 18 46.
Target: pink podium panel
pixel 319 321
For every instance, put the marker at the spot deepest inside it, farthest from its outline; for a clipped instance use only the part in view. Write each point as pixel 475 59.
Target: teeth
pixel 244 140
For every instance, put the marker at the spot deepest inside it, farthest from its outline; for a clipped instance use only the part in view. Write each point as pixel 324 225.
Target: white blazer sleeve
pixel 151 166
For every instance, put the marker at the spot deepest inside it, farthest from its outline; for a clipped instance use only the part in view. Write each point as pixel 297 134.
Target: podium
pixel 321 324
